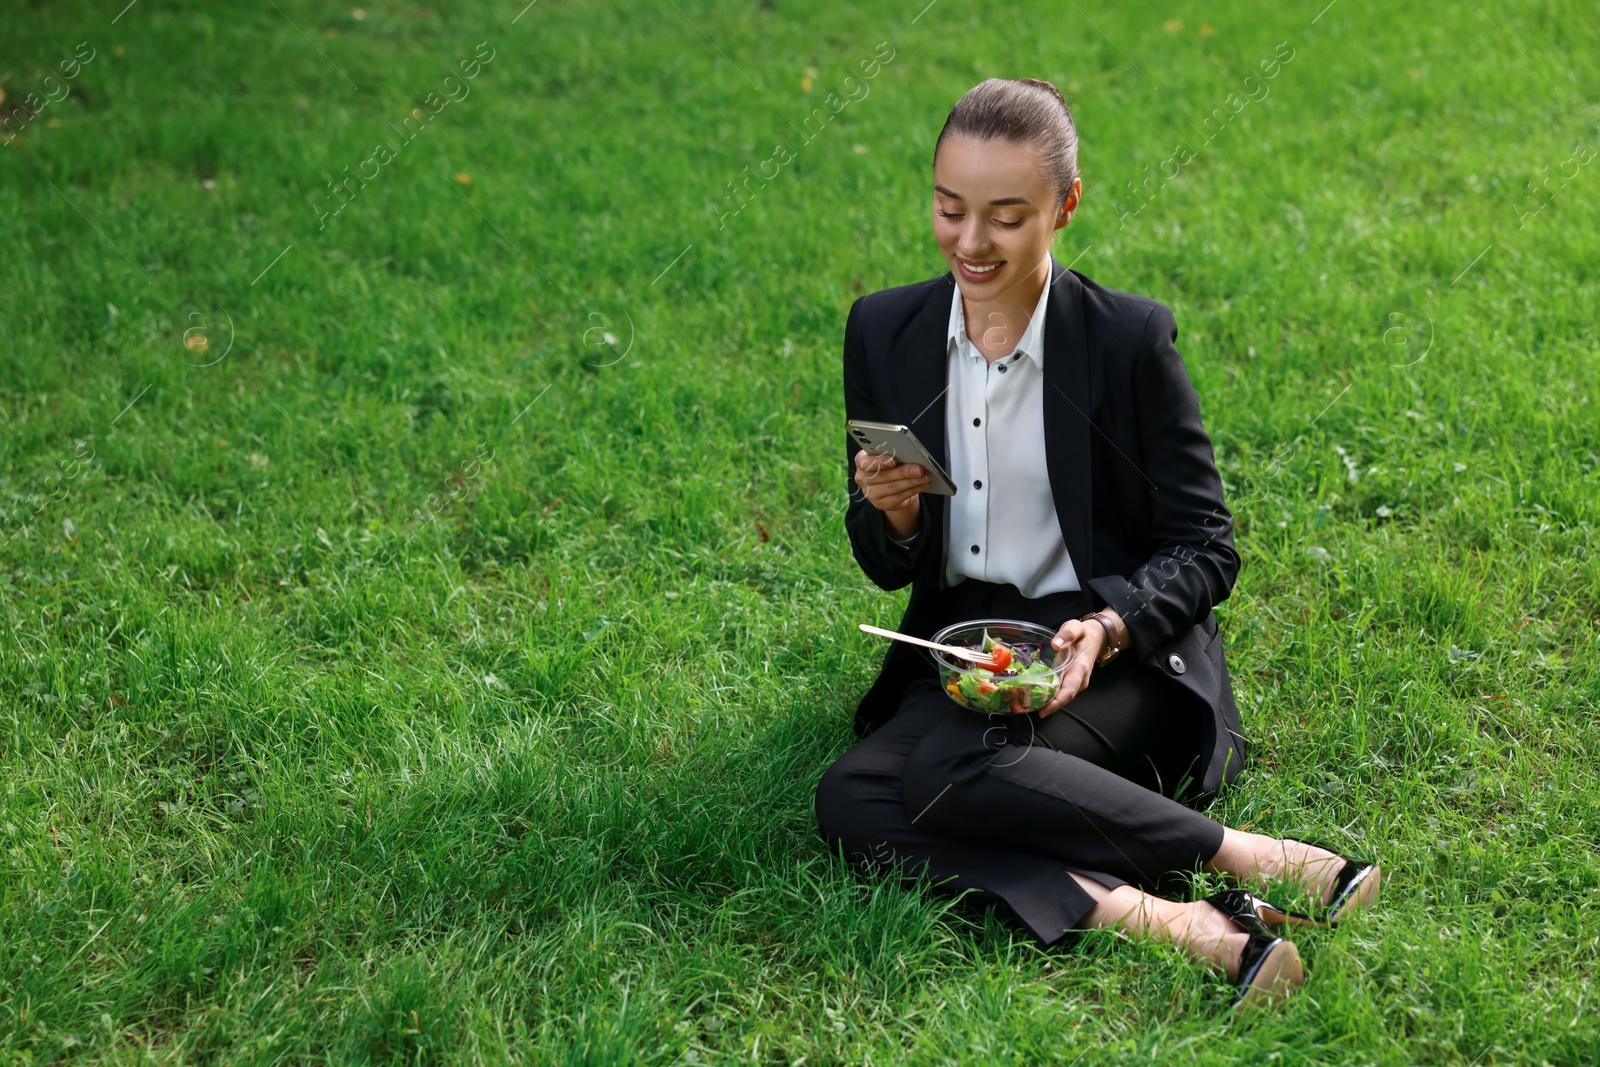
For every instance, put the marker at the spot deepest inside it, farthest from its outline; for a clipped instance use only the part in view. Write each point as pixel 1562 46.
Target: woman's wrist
pixel 903 542
pixel 1114 633
pixel 1120 637
pixel 904 524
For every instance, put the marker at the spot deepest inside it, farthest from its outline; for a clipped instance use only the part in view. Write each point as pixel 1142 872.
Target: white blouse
pixel 994 427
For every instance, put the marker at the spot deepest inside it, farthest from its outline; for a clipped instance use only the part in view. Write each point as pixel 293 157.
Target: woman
pixel 1087 500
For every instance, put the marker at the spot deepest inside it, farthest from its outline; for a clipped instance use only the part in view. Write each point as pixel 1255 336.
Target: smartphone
pixel 888 439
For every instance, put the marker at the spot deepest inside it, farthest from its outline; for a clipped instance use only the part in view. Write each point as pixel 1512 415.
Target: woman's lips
pixel 979 277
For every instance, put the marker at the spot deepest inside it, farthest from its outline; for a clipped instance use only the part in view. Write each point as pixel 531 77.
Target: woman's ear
pixel 1070 204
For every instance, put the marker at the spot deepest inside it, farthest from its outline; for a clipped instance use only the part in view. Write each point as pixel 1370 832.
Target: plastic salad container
pixel 1025 683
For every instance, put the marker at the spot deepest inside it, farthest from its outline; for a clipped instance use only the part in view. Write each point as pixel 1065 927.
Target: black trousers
pixel 1001 807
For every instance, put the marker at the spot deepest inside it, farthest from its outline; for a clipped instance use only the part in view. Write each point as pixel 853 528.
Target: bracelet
pixel 1110 651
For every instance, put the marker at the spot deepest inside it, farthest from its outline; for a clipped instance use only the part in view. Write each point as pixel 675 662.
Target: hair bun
pixel 1042 84
pixel 1018 111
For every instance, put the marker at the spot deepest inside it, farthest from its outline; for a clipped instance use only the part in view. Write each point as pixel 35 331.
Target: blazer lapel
pixel 923 349
pixel 1068 400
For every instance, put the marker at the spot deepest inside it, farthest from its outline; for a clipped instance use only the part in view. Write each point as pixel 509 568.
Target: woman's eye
pixel 1009 225
pixel 949 215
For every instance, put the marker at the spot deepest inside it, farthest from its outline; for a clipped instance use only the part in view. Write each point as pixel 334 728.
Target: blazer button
pixel 1175 661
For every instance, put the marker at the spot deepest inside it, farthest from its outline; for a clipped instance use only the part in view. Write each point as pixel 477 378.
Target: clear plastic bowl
pixel 984 690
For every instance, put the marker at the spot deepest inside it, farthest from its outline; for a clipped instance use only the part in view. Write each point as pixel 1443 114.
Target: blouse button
pixel 1002 368
pixel 978 484
pixel 974 550
pixel 977 422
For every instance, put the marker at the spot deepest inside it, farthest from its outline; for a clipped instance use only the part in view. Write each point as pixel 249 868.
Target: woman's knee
pixel 855 822
pixel 924 775
pixel 834 801
pixel 939 772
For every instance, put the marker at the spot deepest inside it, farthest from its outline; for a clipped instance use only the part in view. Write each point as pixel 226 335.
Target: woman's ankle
pixel 1247 856
pixel 1207 935
pixel 1212 938
pixel 1239 854
pixel 1125 908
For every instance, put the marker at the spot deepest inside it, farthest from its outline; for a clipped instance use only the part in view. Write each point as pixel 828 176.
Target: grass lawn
pixel 425 610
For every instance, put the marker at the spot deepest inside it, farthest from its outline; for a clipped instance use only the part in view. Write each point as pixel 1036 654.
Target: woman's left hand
pixel 1084 640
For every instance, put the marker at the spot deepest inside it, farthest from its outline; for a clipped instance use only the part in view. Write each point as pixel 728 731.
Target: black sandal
pixel 1354 888
pixel 1269 967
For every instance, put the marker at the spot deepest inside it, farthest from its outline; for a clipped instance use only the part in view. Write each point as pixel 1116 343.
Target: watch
pixel 1110 651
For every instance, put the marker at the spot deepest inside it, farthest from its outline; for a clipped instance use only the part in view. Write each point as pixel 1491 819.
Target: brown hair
pixel 1024 111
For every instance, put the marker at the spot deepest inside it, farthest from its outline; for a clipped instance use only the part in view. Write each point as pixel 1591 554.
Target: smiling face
pixel 994 214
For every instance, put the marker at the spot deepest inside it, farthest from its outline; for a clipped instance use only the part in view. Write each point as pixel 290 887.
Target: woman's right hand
pixel 893 489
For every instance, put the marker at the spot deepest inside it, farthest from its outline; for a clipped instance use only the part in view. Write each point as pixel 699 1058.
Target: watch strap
pixel 1109 651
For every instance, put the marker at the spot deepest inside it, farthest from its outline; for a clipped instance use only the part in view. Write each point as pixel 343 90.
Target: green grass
pixel 428 680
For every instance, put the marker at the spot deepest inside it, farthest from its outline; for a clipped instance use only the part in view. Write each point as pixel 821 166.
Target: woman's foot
pixel 1264 967
pixel 1339 884
pixel 1313 869
pixel 1268 968
pixel 1353 885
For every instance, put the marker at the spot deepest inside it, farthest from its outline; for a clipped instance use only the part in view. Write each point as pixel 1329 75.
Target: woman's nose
pixel 974 241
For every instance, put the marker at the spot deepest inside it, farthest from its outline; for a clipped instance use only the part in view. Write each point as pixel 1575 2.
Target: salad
pixel 1018 678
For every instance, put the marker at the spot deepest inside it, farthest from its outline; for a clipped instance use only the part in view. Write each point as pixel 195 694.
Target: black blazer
pixel 1130 466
